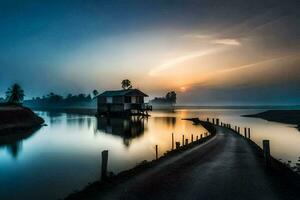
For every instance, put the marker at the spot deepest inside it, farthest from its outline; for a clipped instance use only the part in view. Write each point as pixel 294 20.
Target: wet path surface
pixel 226 167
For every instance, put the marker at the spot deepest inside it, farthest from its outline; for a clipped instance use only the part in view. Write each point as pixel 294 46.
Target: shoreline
pixel 282 116
pixel 71 110
pixel 15 118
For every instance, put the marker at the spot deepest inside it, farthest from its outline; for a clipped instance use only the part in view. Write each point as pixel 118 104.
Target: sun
pixel 182 88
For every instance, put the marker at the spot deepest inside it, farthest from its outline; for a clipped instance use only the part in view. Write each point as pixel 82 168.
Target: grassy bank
pixel 14 118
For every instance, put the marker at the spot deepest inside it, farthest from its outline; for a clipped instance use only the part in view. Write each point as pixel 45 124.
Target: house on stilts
pixel 122 103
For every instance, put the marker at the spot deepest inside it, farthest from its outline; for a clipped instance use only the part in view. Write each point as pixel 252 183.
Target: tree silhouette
pixel 171 97
pixel 95 92
pixel 126 84
pixel 15 94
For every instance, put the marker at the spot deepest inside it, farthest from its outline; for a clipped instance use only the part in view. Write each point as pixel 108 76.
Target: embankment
pixel 14 118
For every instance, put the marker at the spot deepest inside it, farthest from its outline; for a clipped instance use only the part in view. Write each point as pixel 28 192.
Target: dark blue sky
pixel 76 46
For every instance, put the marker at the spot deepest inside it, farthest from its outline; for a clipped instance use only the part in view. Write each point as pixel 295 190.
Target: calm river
pixel 66 155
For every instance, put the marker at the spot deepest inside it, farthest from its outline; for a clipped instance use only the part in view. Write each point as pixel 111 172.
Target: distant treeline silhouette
pixel 169 99
pixel 55 100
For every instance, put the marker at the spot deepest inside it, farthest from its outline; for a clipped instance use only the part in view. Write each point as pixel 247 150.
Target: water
pixel 65 156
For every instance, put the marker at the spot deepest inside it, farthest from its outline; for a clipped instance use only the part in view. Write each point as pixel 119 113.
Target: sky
pixel 210 52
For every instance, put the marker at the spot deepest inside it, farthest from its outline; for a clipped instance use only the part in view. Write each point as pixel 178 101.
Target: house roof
pixel 129 92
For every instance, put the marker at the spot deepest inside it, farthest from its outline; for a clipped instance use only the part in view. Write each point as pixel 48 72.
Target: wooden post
pixel 245 132
pixel 177 145
pixel 266 149
pixel 104 155
pixel 249 135
pixel 221 123
pixel 172 141
pixel 213 120
pixel 201 136
pixel 207 120
pixel 182 140
pixel 197 138
pixel 192 138
pixel 218 122
pixel 156 152
pixel 186 141
pixel 239 130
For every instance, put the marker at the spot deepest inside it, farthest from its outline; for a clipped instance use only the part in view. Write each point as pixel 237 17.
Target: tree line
pixel 169 99
pixel 15 95
pixel 53 99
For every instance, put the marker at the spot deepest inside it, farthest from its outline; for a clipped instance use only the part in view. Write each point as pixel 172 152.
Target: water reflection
pixel 53 117
pixel 128 128
pixel 14 142
pixel 168 121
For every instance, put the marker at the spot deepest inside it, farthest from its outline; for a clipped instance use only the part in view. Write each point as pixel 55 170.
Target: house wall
pixel 119 103
pixel 103 107
pixel 118 99
pixel 136 99
pixel 101 100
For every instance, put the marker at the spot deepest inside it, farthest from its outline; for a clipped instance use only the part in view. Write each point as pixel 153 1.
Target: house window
pixel 133 100
pixel 109 100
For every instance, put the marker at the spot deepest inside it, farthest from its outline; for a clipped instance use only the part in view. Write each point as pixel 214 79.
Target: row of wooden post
pixel 185 141
pixel 214 121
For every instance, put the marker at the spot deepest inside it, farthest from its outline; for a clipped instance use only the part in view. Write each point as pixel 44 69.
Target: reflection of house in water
pixel 128 128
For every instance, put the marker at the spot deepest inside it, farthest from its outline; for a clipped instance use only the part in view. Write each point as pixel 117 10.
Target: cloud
pixel 255 64
pixel 227 41
pixel 196 36
pixel 214 40
pixel 171 63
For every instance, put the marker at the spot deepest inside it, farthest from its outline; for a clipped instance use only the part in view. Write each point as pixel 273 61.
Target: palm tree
pixel 15 94
pixel 95 93
pixel 126 84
